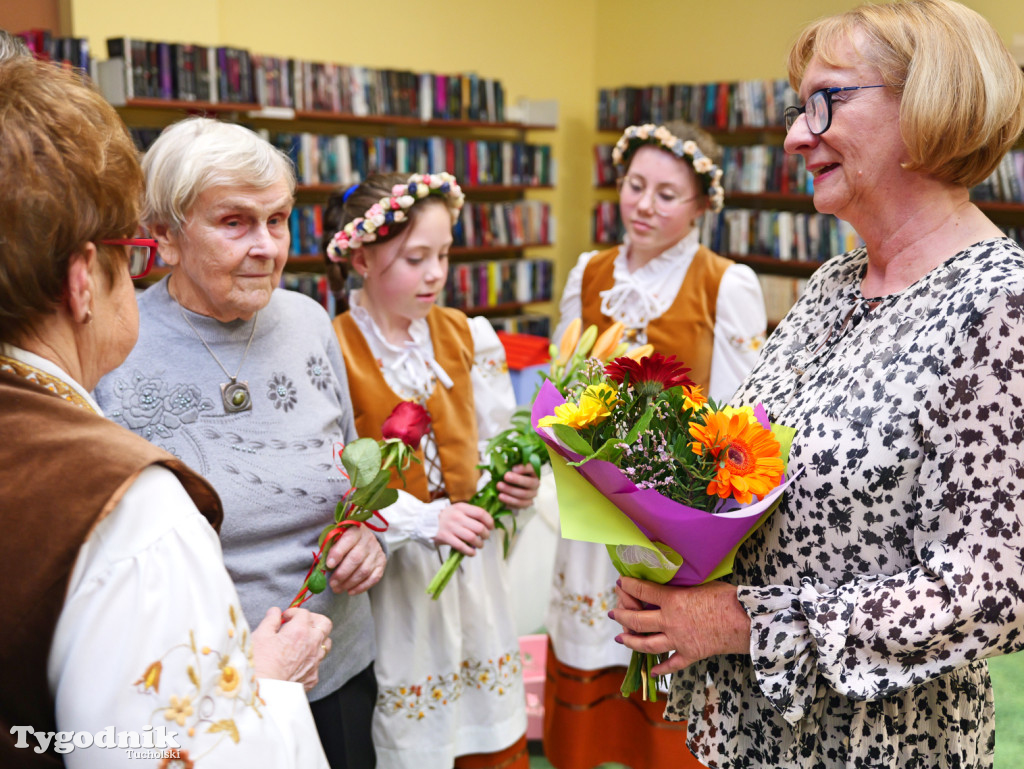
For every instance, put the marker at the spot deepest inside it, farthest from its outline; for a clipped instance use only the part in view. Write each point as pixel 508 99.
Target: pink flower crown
pixel 637 136
pixel 392 210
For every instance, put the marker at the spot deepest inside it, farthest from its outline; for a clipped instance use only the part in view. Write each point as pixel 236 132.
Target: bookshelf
pixel 769 222
pixel 340 123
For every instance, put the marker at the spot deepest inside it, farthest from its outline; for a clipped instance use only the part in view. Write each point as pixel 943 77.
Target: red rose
pixel 409 422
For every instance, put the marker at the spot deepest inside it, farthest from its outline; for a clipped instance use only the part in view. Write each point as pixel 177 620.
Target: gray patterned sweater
pixel 273 465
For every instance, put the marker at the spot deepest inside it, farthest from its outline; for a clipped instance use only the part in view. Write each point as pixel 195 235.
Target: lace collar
pixel 412 362
pixel 640 296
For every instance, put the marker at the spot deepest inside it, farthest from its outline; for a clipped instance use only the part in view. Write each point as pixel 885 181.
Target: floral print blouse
pixel 895 564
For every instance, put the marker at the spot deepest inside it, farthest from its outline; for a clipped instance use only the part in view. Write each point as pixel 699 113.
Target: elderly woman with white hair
pixel 247 385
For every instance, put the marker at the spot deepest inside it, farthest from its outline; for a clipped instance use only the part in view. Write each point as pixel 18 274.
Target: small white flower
pixel 399 216
pixel 690 147
pixel 702 165
pixel 406 201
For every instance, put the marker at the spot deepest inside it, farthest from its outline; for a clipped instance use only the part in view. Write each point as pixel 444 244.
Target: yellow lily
pixel 608 342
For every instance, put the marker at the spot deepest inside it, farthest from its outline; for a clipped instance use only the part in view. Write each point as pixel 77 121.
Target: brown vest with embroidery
pixel 62 469
pixel 452 411
pixel 687 328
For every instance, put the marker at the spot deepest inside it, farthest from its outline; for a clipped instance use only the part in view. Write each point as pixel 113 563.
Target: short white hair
pixel 197 153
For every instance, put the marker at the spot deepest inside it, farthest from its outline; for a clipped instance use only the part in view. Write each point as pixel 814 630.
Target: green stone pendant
pixel 235 396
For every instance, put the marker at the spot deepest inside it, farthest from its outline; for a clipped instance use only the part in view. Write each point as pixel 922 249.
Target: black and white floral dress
pixel 895 565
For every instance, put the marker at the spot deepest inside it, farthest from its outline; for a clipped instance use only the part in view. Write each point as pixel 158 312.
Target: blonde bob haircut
pixel 961 93
pixel 197 153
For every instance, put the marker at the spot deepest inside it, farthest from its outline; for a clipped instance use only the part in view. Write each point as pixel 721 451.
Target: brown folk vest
pixel 687 328
pixel 452 411
pixel 62 470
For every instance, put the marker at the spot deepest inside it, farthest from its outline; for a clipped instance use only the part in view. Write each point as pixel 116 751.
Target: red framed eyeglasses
pixel 141 254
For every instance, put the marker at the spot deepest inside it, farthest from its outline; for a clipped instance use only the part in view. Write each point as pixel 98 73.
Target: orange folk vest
pixel 452 411
pixel 687 328
pixel 62 470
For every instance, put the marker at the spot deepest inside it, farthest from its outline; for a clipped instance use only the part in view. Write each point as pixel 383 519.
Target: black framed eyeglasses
pixel 141 254
pixel 818 108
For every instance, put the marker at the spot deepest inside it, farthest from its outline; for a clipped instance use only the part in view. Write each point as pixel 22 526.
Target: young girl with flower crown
pixel 684 300
pixel 448 670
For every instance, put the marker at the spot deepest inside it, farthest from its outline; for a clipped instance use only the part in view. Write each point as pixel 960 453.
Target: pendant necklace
pixel 233 394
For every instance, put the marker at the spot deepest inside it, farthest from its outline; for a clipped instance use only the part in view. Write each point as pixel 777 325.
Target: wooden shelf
pixel 775 266
pixel 187 106
pixel 260 112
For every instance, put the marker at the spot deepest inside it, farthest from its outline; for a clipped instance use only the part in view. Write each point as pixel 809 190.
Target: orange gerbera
pixel 747 454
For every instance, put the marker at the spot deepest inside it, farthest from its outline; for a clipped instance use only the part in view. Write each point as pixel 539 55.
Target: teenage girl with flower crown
pixel 448 671
pixel 685 300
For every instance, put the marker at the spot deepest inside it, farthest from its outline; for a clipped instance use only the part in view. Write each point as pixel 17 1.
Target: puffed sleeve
pixel 152 640
pixel 571 304
pixel 963 598
pixel 740 330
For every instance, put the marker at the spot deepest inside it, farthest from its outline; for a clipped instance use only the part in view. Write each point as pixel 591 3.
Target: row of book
pixel 482 285
pixel 344 160
pixel 754 168
pixel 785 235
pixel 780 294
pixel 606 223
pixel 526 283
pixel 535 324
pixel 513 223
pixel 480 225
pixel 353 90
pixel 719 105
pixel 1006 183
pixel 70 51
pixel 761 168
pixel 150 69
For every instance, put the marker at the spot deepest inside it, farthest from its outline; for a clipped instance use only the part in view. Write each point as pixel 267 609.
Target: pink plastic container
pixel 534 651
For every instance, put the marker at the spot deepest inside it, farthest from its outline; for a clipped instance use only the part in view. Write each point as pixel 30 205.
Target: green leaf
pixel 362 459
pixel 362 495
pixel 499 466
pixel 609 451
pixel 384 497
pixel 639 427
pixel 572 439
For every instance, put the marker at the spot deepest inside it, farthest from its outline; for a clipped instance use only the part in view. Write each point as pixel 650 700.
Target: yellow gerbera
pixel 747 454
pixel 595 406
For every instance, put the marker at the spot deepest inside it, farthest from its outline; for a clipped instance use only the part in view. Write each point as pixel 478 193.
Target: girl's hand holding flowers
pixel 518 488
pixel 464 527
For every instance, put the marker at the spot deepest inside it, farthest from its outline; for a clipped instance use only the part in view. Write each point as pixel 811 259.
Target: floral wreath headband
pixel 638 135
pixel 392 209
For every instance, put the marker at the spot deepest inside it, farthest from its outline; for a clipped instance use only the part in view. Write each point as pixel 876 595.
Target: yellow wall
pixel 541 49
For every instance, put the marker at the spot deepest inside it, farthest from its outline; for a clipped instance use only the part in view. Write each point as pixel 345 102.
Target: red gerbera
pixel 655 368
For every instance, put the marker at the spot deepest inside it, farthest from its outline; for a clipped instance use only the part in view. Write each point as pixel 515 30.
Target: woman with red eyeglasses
pixel 119 615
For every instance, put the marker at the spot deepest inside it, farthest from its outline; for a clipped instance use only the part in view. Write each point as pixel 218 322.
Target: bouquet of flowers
pixel 367 465
pixel 670 482
pixel 520 444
